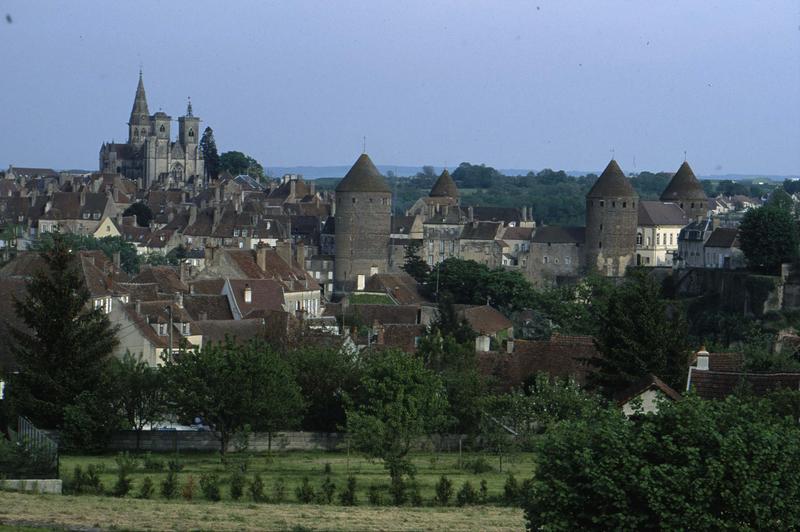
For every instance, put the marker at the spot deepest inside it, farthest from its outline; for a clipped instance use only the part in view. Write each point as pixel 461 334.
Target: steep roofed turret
pixel 444 187
pixel 363 177
pixel 612 183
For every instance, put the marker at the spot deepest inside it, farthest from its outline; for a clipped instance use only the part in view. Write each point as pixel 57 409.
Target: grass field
pixel 293 466
pixel 32 512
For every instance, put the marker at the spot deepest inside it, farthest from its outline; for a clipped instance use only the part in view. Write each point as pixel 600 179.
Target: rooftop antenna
pixel 634 163
pixel 684 155
pixel 613 153
pixel 364 144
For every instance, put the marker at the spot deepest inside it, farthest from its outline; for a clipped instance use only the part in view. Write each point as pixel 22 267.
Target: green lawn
pixel 370 299
pixel 293 466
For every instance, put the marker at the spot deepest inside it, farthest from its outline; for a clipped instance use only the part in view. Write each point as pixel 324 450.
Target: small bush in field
pixel 126 464
pixel 169 486
pixel 466 495
pixel 279 490
pixel 209 484
pixel 326 491
pixel 444 491
pixel 153 465
pixel 347 497
pixel 237 485
pixel 511 490
pixel 188 489
pixel 146 489
pixel 483 493
pixel 305 492
pixel 256 489
pixel 375 495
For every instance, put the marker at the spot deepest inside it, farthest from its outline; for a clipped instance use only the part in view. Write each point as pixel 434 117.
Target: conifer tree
pixel 210 155
pixel 65 347
pixel 414 265
pixel 639 335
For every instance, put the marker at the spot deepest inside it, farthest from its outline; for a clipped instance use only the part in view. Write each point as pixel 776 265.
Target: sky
pixel 539 84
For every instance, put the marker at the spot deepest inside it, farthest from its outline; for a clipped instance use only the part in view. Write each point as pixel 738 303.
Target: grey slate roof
pixel 481 231
pixel 661 213
pixel 556 234
pixel 444 187
pixel 684 185
pixel 612 183
pixel 723 237
pixel 363 177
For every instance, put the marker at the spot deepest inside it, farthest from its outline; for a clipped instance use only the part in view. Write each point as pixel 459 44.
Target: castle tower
pixel 363 225
pixel 685 189
pixel 611 221
pixel 139 123
pixel 445 187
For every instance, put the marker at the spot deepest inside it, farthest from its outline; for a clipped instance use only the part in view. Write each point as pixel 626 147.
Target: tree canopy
pixel 210 155
pixel 238 163
pixel 710 465
pixel 234 387
pixel 769 237
pixel 142 212
pixel 66 344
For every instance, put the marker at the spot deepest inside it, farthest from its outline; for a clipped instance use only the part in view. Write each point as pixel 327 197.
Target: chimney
pixel 83 196
pixel 203 315
pixel 115 193
pixel 284 249
pixel 117 260
pixel 179 299
pixel 470 213
pixel 292 188
pixel 183 268
pixel 138 307
pixel 380 333
pixel 702 359
pixel 248 294
pixel 209 254
pixel 301 255
pixel 218 194
pixel 192 214
pixel 215 220
pixel 261 256
pixel 509 346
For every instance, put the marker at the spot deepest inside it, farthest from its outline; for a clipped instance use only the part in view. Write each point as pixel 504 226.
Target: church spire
pixel 140 114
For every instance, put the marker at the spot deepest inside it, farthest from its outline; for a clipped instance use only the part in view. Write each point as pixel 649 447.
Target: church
pixel 150 156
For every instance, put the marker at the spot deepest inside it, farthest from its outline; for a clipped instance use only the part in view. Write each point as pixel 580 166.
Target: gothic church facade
pixel 151 156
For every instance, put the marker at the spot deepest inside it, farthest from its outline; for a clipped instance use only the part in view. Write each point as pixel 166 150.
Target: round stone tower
pixel 611 221
pixel 685 189
pixel 362 226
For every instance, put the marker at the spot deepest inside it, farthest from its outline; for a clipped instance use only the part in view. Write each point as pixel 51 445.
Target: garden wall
pixel 188 440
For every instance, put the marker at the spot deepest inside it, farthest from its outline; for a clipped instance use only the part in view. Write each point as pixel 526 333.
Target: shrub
pixel 466 495
pixel 126 465
pixel 85 483
pixel 146 489
pixel 327 469
pixel 347 497
pixel 397 488
pixel 256 489
pixel 174 464
pixel 153 465
pixel 305 492
pixel 478 466
pixel 209 484
pixel 189 488
pixel 326 491
pixel 375 495
pixel 279 490
pixel 169 486
pixel 511 491
pixel 18 460
pixel 444 491
pixel 483 493
pixel 237 485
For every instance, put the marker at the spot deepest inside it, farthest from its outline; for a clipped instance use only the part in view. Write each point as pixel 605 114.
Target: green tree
pixel 210 155
pixel 109 245
pixel 397 402
pixel 66 345
pixel 141 394
pixel 719 465
pixel 769 237
pixel 456 364
pixel 142 212
pixel 325 376
pixel 413 264
pixel 232 386
pixel 238 163
pixel 638 335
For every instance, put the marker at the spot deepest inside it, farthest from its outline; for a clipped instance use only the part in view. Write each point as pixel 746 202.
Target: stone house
pixel 722 249
pixel 556 254
pixel 659 227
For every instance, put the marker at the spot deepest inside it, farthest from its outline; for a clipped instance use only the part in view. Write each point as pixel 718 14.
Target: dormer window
pixel 162 329
pixel 97 216
pixel 86 216
pixel 185 329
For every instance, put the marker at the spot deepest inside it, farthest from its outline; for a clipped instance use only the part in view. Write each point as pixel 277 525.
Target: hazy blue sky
pixel 511 84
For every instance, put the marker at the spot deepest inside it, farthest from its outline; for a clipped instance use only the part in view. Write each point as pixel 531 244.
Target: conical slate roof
pixel 683 186
pixel 612 183
pixel 445 187
pixel 363 177
pixel 139 111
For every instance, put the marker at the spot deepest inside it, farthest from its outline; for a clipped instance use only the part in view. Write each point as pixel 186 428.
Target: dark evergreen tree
pixel 65 347
pixel 414 265
pixel 142 212
pixel 638 335
pixel 210 155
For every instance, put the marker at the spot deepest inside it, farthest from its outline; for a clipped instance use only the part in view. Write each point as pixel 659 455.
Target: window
pixel 638 239
pixel 602 203
pixel 354 200
pixel 191 133
pixel 658 239
pixel 647 260
pixel 567 260
pixel 599 245
pixel 546 259
pixel 185 329
pixel 97 216
pixel 384 201
pixel 441 246
pixel 624 204
pixel 161 129
pixel 670 238
pixel 613 204
pixel 86 216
